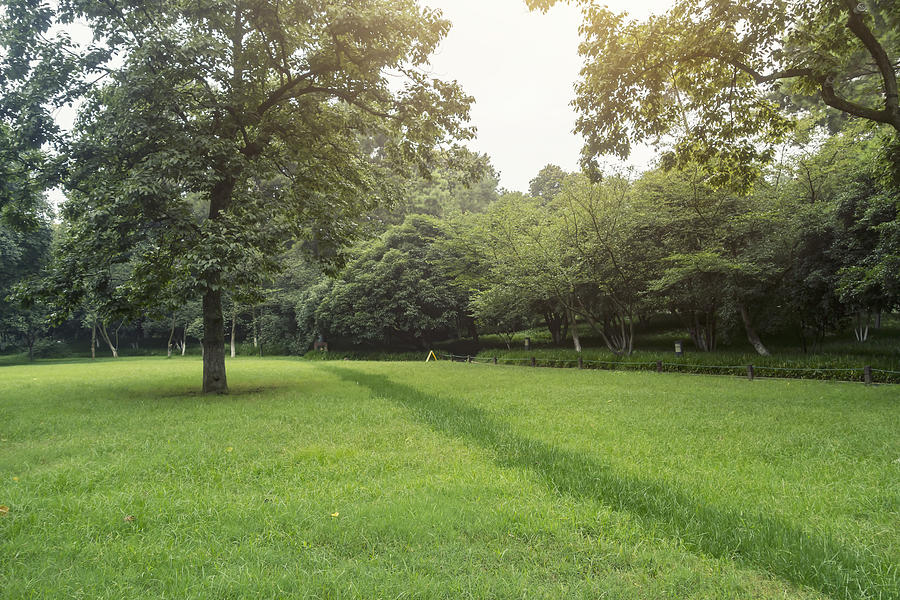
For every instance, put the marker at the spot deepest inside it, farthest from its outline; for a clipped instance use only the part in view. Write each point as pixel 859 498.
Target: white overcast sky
pixel 521 67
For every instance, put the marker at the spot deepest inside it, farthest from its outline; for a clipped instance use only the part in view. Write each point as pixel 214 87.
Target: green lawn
pixel 413 480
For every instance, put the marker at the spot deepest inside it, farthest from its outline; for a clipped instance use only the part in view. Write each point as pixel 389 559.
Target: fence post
pixel 468 358
pixel 533 362
pixel 750 372
pixel 580 363
pixel 867 373
pixel 495 360
pixel 659 366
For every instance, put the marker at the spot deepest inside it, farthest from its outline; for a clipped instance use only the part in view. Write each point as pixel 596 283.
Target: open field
pixel 389 480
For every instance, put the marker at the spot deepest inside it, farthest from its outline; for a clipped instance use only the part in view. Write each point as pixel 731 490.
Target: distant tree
pixel 23 253
pixel 606 231
pixel 503 310
pixel 461 181
pixel 548 183
pixel 394 291
pixel 718 255
pixel 530 255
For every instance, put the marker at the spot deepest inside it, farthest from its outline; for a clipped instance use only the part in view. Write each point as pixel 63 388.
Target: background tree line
pixel 224 159
pixel 811 250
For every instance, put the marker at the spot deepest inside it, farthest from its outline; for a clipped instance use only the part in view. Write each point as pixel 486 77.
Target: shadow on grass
pixel 768 542
pixel 193 392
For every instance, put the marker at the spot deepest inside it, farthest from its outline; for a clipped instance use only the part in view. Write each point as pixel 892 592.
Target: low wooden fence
pixel 865 374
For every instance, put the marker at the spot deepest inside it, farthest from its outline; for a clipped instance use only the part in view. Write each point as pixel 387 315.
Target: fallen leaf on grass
pixel 335 515
pixel 129 518
pixel 3 510
pixel 15 478
pixel 229 449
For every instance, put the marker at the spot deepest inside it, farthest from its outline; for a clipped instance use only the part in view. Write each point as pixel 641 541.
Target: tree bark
pixel 114 348
pixel 233 325
pixel 171 336
pixel 576 340
pixel 214 380
pixel 862 327
pixel 752 336
pixel 554 325
pixel 94 340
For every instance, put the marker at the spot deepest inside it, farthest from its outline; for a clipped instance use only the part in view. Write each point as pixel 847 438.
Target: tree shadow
pixel 770 542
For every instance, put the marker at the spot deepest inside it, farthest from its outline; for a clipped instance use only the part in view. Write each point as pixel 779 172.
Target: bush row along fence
pixel 866 374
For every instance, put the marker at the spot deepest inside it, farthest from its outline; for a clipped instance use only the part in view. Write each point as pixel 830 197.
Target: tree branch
pixel 879 116
pixel 865 35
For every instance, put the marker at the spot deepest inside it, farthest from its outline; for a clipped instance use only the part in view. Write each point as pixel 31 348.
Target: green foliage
pixel 223 131
pixel 23 253
pixel 461 182
pixel 548 183
pixel 394 290
pixel 711 76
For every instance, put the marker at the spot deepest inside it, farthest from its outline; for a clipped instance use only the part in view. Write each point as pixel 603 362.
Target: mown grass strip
pixel 799 555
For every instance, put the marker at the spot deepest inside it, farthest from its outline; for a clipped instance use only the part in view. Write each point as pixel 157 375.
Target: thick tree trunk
pixel 214 381
pixel 184 340
pixel 752 336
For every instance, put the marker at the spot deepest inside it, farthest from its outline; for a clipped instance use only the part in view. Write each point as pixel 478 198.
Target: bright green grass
pixel 449 480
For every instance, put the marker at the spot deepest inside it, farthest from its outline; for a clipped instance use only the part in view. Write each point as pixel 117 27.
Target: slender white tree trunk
pixel 171 337
pixel 105 335
pixel 233 325
pixel 576 340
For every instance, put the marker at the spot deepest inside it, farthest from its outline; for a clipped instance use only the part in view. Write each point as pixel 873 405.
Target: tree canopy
pixel 217 131
pixel 713 76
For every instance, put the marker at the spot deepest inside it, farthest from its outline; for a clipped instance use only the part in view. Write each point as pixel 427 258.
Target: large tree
pixel 712 75
pixel 280 118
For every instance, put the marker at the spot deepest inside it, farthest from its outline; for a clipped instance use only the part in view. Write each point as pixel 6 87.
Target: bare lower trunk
pixel 233 325
pixel 752 336
pixel 184 340
pixel 114 348
pixel 255 336
pixel 171 337
pixel 94 340
pixel 862 326
pixel 576 341
pixel 554 325
pixel 214 381
pixel 703 330
pixel 878 320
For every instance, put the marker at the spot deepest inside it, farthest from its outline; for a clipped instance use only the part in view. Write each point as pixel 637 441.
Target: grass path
pixel 379 480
